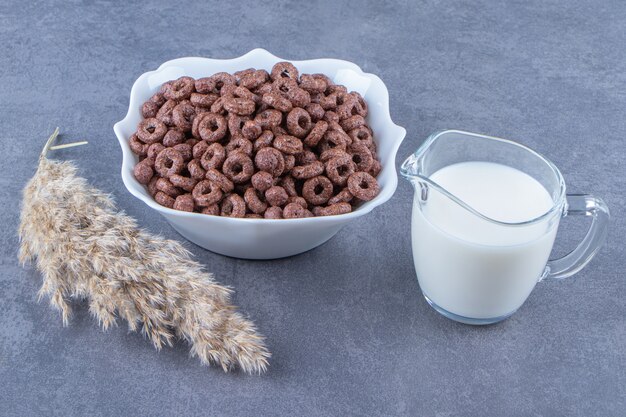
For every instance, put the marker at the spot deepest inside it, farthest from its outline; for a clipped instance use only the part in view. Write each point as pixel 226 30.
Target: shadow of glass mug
pixel 487 277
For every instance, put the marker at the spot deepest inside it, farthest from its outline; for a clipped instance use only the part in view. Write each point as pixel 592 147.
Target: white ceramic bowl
pixel 263 238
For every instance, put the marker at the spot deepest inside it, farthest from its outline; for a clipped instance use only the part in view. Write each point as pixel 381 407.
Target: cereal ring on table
pixel 269 118
pixel 361 156
pixel 284 70
pixel 273 213
pixel 317 190
pixel 212 210
pixel 165 112
pixel 343 196
pixel 164 185
pixel 195 170
pixel 306 157
pixel 264 140
pixel 233 206
pixel 361 135
pixel 262 180
pixel 206 193
pixel 143 173
pixel 138 147
pixel 152 190
pixel 253 201
pixel 149 109
pixel 179 89
pixel 290 162
pixel 297 200
pixel 251 130
pixel 315 111
pixel 294 211
pixel 339 168
pixel 240 106
pixel 203 100
pixel 239 144
pixel 205 85
pixel 243 92
pixel 238 167
pixel 254 79
pixel 316 134
pixel 173 137
pixel 200 148
pixel 308 171
pixel 363 186
pixel 220 179
pixel 151 130
pixel 211 127
pixel 287 144
pixel 376 168
pixel 335 209
pixel 331 116
pixel 213 157
pixel 331 153
pixel 185 183
pixel 185 151
pixel 184 202
pixel 276 196
pixel 312 84
pixel 277 101
pixel 270 160
pixel 298 122
pixel 183 115
pixel 154 150
pixel 222 79
pixel 352 122
pixel 158 99
pixel 164 199
pixel 168 162
pixel 289 184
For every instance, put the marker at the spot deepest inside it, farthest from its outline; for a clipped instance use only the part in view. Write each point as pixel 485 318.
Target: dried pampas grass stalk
pixel 84 248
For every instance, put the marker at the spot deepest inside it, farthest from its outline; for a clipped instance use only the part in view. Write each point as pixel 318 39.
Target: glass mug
pixel 484 275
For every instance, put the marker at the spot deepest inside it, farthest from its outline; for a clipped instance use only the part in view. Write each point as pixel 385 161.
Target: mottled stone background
pixel 349 330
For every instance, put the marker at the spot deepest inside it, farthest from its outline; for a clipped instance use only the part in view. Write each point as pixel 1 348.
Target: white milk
pixel 473 267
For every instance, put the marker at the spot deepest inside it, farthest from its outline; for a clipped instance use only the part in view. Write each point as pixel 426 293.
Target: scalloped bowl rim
pixel 134 187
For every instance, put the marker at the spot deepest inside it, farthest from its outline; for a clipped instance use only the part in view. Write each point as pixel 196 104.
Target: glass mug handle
pixel 582 205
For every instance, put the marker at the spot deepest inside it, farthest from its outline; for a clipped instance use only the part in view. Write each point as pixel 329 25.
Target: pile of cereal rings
pixel 257 145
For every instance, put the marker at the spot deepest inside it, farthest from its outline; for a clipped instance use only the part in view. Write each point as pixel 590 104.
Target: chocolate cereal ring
pixel 195 170
pixel 297 200
pixel 220 179
pixel 233 206
pixel 343 196
pixel 173 137
pixel 262 180
pixel 203 100
pixel 306 157
pixel 264 140
pixel 185 151
pixel 205 85
pixel 287 144
pixel 361 134
pixel 236 123
pixel 270 160
pixel 329 154
pixel 185 183
pixel 330 116
pixel 168 162
pixel 315 111
pixel 179 89
pixel 212 127
pixel 158 99
pixel 317 190
pixel 290 162
pixel 284 70
pixel 154 150
pixel 312 84
pixel 253 201
pixel 243 92
pixel 151 130
pixel 240 106
pixel 254 79
pixel 308 171
pixel 273 213
pixel 363 186
pixel 277 101
pixel 184 202
pixel 149 109
pixel 222 79
pixel 238 167
pixel 316 134
pixel 289 184
pixel 212 210
pixel 239 144
pixel 138 147
pixel 294 211
pixel 269 118
pixel 164 199
pixel 298 122
pixel 206 193
pixel 251 130
pixel 152 190
pixel 361 156
pixel 276 196
pixel 335 209
pixel 165 112
pixel 213 157
pixel 143 173
pixel 183 115
pixel 339 168
pixel 352 122
pixel 164 185
pixel 199 149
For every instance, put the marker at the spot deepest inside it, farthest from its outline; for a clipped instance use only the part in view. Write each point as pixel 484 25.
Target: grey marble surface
pixel 348 328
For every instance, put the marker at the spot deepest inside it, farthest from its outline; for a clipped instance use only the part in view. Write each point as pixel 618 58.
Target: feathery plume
pixel 84 248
